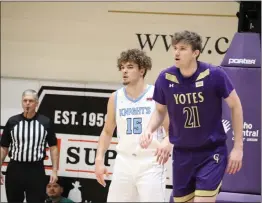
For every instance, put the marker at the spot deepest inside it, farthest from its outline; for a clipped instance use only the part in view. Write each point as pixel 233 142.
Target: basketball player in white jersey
pixel 139 174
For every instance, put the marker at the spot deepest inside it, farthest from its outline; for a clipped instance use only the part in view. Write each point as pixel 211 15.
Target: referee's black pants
pixel 25 179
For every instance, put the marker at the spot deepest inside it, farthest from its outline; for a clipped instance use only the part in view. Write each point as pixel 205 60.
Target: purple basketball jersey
pixel 194 105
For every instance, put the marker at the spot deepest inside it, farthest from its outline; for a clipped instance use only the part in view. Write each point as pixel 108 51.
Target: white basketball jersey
pixel 132 118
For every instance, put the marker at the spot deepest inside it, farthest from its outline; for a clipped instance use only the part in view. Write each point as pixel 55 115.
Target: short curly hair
pixel 136 56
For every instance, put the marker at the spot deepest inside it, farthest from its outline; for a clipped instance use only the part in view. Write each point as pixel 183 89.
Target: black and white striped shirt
pixel 27 138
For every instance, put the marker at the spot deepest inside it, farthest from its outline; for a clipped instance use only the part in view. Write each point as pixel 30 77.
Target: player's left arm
pixel 235 106
pixel 236 155
pixel 226 90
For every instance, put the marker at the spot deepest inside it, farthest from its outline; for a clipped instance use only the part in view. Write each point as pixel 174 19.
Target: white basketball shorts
pixel 137 179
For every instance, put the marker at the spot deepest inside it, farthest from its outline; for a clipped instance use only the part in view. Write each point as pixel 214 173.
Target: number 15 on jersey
pixel 134 126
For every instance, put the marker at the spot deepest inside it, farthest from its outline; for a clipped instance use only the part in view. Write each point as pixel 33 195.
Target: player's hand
pixel 163 151
pixel 2 179
pixel 146 139
pixel 53 177
pixel 235 161
pixel 100 171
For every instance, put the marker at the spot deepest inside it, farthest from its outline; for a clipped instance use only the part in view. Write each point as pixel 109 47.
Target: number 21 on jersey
pixel 134 126
pixel 192 117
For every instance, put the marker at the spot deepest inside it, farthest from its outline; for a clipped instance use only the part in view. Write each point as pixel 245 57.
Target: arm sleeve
pixel 224 84
pixel 51 136
pixel 6 135
pixel 159 95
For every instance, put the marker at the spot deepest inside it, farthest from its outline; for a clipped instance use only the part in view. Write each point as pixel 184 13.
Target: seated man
pixel 54 192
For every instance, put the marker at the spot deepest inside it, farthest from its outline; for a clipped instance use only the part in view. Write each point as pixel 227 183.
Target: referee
pixel 24 139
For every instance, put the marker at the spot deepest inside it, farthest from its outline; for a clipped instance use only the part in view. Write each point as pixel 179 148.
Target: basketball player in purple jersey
pixel 192 92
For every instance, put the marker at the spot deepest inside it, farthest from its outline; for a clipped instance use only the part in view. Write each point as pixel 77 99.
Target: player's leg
pixel 209 176
pixel 183 176
pixel 151 184
pixel 122 187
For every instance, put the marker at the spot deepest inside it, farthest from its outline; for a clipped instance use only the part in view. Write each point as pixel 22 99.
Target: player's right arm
pixel 157 118
pixel 155 122
pixel 164 149
pixel 104 140
pixel 158 115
